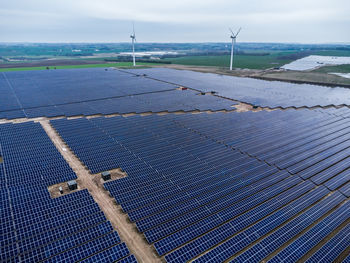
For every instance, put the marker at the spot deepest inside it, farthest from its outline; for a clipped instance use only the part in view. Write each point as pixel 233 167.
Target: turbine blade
pixel 133 28
pixel 239 30
pixel 231 32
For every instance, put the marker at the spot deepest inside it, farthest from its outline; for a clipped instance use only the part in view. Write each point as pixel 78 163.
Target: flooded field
pixel 344 75
pixel 312 62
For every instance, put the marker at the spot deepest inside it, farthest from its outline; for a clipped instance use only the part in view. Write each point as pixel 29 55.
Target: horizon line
pixel 200 42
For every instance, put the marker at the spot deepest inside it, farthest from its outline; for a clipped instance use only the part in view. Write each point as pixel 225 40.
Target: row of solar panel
pixel 171 101
pixel 154 97
pixel 31 157
pixel 86 130
pixel 196 192
pixel 343 112
pixel 35 227
pixel 254 91
pixel 317 150
pixel 28 89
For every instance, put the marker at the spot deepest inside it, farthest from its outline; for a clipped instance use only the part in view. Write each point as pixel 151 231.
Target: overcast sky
pixel 302 21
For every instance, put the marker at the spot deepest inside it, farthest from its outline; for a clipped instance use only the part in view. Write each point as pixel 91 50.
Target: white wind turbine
pixel 233 47
pixel 133 40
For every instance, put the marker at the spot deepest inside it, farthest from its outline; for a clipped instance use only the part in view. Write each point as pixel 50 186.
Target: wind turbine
pixel 233 47
pixel 133 40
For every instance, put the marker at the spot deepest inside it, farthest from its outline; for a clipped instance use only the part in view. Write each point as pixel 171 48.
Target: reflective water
pixel 312 62
pixel 344 75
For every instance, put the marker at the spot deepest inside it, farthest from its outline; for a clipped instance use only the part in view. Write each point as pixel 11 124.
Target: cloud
pixel 180 20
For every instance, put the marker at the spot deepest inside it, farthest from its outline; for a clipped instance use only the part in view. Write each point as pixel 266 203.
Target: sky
pixel 292 21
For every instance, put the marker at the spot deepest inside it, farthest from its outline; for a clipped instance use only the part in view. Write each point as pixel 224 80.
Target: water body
pixel 312 62
pixel 149 53
pixel 344 75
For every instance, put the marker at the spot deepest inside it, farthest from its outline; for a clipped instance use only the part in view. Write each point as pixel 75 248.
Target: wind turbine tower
pixel 233 47
pixel 133 40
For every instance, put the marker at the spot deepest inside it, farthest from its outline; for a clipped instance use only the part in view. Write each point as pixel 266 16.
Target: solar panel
pixel 280 236
pixel 255 91
pixel 304 243
pixel 268 224
pixel 35 227
pixel 96 91
pixel 196 183
pixel 333 248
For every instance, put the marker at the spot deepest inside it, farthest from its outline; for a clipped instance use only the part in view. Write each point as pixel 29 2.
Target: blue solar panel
pixel 257 92
pixel 333 248
pixel 87 249
pixel 347 259
pixel 129 259
pixel 282 235
pixel 253 233
pixel 218 235
pixel 196 185
pixel 111 255
pixel 95 91
pixel 35 227
pixel 304 243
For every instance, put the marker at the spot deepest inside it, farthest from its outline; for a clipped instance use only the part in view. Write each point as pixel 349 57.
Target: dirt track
pixel 127 231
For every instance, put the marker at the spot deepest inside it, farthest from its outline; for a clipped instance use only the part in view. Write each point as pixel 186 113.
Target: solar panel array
pixel 244 187
pixel 35 227
pixel 27 89
pixel 51 93
pixel 254 91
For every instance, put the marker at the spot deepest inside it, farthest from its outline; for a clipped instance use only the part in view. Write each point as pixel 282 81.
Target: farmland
pixel 249 55
pixel 241 61
pixel 330 69
pixel 271 59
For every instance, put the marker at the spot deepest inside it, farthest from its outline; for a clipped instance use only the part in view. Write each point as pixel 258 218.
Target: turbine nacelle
pixel 233 35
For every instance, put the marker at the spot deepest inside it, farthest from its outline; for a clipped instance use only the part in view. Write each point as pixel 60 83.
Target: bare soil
pixel 54 189
pixel 216 70
pixel 243 107
pixel 115 175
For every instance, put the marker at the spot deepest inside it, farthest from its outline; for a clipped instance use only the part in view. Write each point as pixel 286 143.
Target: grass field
pixel 274 59
pixel 117 65
pixel 313 77
pixel 331 69
pixel 338 53
pixel 241 61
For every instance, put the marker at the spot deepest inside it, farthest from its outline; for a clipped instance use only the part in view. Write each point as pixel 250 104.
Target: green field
pixel 117 65
pixel 249 61
pixel 241 61
pixel 331 69
pixel 338 53
pixel 305 76
pixel 274 59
